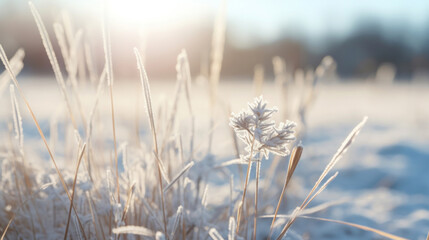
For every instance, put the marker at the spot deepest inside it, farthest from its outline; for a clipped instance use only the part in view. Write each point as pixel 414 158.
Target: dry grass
pixel 164 184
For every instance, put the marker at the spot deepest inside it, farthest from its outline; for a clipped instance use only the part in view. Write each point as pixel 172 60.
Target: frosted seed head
pixel 255 128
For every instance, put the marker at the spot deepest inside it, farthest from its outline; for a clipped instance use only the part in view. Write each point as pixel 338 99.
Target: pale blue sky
pixel 268 20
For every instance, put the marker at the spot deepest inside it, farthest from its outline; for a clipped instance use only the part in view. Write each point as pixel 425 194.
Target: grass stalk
pixel 241 206
pixel 337 156
pixel 258 80
pixel 293 162
pixel 94 216
pixel 255 219
pixel 146 90
pixel 129 200
pixel 217 49
pixel 70 61
pixel 16 65
pixel 109 66
pixel 74 189
pixel 236 148
pixel 52 59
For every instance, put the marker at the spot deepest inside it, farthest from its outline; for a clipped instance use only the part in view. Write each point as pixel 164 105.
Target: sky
pixel 267 20
pixel 254 22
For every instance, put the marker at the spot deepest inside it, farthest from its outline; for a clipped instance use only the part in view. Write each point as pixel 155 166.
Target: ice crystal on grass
pixel 255 128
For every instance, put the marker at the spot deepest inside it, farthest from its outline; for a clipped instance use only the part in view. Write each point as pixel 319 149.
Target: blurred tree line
pixel 358 55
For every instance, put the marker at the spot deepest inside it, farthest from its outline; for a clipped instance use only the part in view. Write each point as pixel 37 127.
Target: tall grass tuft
pixel 109 70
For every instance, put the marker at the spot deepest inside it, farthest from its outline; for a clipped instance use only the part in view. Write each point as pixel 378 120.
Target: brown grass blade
pixel 129 199
pixel 241 205
pixel 293 162
pixel 73 189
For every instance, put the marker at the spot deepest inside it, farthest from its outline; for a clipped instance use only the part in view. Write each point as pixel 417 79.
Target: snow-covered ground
pixel 384 176
pixel 383 181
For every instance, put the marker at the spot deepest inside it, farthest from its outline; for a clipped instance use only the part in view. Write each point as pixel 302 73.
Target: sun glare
pixel 148 12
